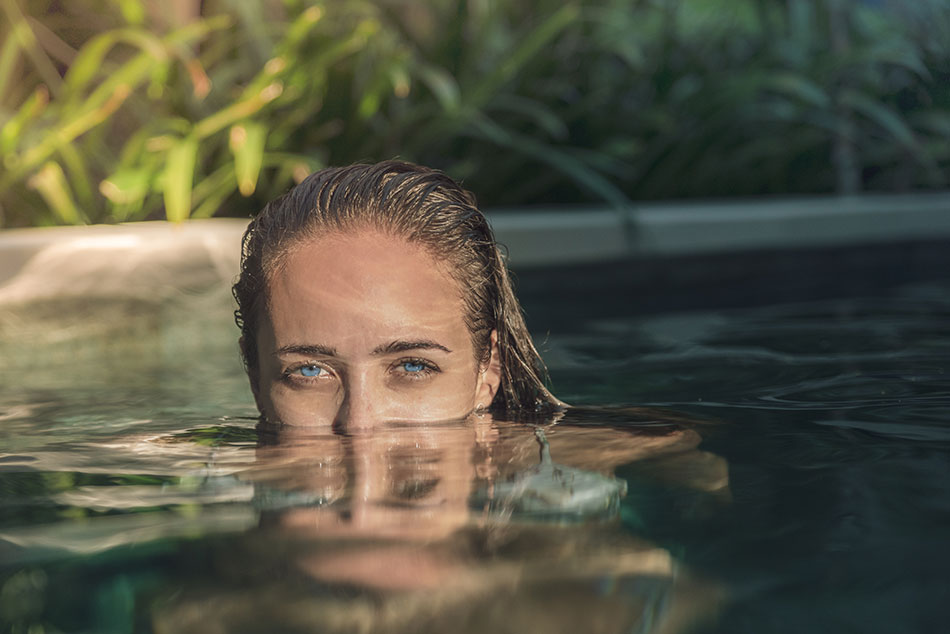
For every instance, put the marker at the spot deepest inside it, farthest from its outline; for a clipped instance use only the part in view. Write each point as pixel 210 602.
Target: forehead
pixel 362 285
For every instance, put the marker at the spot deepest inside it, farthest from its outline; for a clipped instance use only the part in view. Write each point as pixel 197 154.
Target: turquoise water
pixel 787 469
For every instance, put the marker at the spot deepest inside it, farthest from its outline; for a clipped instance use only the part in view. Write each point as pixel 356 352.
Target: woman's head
pixel 348 255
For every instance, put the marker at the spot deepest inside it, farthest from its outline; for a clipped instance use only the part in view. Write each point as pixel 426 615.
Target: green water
pixel 787 470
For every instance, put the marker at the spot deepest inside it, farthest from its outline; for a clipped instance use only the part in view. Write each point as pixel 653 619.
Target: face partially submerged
pixel 363 329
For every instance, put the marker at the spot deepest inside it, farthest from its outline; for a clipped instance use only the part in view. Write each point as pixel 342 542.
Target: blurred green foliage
pixel 115 110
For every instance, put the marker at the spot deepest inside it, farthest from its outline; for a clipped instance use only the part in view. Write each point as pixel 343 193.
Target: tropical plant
pixel 110 110
pixel 174 122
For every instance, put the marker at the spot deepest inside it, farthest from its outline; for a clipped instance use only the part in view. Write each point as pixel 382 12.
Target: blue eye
pixel 412 366
pixel 311 370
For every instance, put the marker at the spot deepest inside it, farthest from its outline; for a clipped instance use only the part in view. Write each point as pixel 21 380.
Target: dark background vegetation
pixel 115 110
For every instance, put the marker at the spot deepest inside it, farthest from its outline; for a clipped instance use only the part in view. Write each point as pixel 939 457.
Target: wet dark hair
pixel 426 207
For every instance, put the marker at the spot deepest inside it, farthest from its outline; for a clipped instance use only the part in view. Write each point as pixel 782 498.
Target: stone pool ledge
pixel 70 260
pixel 166 287
pixel 553 238
pixel 149 289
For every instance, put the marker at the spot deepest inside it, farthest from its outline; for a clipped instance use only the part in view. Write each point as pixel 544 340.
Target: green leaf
pixel 212 190
pixel 892 123
pixel 530 47
pixel 887 119
pixel 253 19
pixel 400 80
pixel 90 60
pixel 104 99
pixel 237 111
pixel 78 173
pixel 179 177
pixel 12 130
pixel 50 182
pixel 905 56
pixel 536 111
pixel 21 30
pixel 553 156
pixel 68 130
pixel 300 28
pixel 798 87
pixel 247 145
pixel 127 185
pixel 9 55
pixel 936 121
pixel 133 11
pixel 443 86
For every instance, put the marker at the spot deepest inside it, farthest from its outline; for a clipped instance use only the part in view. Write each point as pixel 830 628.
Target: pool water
pixel 786 467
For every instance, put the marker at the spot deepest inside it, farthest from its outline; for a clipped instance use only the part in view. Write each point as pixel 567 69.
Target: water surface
pixel 787 469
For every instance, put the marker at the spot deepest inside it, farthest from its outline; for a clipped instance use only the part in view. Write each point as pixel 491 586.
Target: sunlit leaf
pixel 69 130
pixel 556 100
pixel 179 177
pixel 127 186
pixel 77 172
pixel 301 27
pixel 9 55
pixel 401 82
pixel 237 111
pixel 90 59
pixel 50 182
pixel 32 108
pixel 247 145
pixel 21 30
pixel 132 10
pixel 212 191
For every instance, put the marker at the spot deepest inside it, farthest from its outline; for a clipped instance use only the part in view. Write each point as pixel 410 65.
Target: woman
pixel 372 297
pixel 376 294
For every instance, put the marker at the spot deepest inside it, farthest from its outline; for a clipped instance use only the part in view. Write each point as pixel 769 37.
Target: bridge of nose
pixel 362 405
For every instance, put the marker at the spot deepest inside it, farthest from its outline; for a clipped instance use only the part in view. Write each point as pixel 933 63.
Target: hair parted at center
pixel 426 207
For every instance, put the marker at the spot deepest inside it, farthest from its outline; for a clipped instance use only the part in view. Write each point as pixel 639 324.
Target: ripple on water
pixel 843 354
pixel 860 390
pixel 903 430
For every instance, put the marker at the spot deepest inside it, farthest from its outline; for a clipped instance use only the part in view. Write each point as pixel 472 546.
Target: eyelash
pixel 428 369
pixel 292 376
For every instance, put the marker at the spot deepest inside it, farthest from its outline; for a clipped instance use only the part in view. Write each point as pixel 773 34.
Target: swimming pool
pixel 138 496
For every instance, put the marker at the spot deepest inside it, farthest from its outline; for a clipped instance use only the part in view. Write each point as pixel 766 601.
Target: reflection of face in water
pixel 363 329
pixel 384 494
pixel 382 530
pixel 406 482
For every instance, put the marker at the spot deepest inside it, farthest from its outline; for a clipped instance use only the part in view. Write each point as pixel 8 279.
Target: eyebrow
pixel 309 350
pixel 403 346
pixel 393 347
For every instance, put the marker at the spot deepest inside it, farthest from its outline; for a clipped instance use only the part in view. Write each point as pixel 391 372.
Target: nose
pixel 359 408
